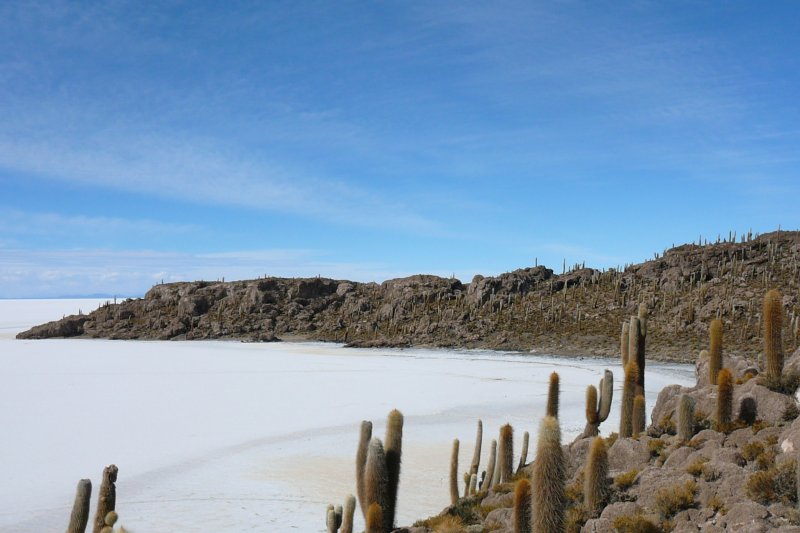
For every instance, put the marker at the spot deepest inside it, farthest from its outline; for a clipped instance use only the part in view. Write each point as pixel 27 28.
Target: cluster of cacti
pixel 597 411
pixel 633 341
pixel 106 502
pixel 340 519
pixel 333 518
pixel 378 475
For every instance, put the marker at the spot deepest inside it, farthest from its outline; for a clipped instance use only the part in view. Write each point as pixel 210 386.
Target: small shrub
pixel 656 446
pixel 784 482
pixel 759 487
pixel 717 505
pixel 635 524
pixel 611 439
pixel 626 480
pixel 752 449
pixel 766 459
pixel 575 518
pixel 696 468
pixel 671 500
pixel 710 473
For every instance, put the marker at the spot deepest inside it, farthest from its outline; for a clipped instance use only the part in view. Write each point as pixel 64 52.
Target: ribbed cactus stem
pixel 628 395
pixel 476 454
pixel 394 453
pixel 106 498
pixel 473 484
pixel 748 410
pixel 724 399
pixel 595 484
pixel 374 519
pixel 686 417
pixel 376 479
pixel 523 458
pixel 330 519
pixel 773 331
pixel 548 479
pixel 552 395
pixel 624 340
pixel 639 416
pixel 522 506
pixel 348 514
pixel 490 466
pixel 714 349
pixel 80 509
pixel 506 453
pixel 591 405
pixel 361 461
pixel 606 395
pixel 454 473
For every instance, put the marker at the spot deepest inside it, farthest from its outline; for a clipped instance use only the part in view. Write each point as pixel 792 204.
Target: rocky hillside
pixel 577 312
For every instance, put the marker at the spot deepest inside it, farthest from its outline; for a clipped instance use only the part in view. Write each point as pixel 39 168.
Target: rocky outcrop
pixel 576 312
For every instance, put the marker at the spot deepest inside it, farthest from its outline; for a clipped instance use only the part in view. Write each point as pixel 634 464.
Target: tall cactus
pixel 476 454
pixel 374 519
pixel 490 466
pixel 394 453
pixel 505 456
pixel 624 340
pixel 347 514
pixel 686 417
pixel 549 471
pixel 595 478
pixel 80 509
pixel 724 399
pixel 523 457
pixel 597 412
pixel 552 396
pixel 522 506
pixel 454 473
pixel 376 478
pixel 639 416
pixel 628 396
pixel 748 410
pixel 638 335
pixel 361 461
pixel 106 498
pixel 773 335
pixel 714 349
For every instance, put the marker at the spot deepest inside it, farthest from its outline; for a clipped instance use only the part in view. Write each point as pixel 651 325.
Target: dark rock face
pixel 578 312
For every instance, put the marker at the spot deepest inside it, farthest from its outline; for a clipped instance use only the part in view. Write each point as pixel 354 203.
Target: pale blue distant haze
pixel 149 141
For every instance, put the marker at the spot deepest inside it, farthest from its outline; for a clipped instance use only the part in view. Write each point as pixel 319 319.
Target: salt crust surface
pixel 228 436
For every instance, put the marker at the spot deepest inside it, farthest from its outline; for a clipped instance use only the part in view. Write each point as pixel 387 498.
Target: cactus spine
pixel 714 349
pixel 552 396
pixel 376 479
pixel 361 461
pixel 628 395
pixel 107 497
pixel 773 341
pixel 374 519
pixel 347 514
pixel 624 340
pixel 522 506
pixel 639 416
pixel 80 509
pixel 523 458
pixel 505 456
pixel 548 479
pixel 487 480
pixel 724 399
pixel 595 485
pixel 454 473
pixel 686 417
pixel 394 453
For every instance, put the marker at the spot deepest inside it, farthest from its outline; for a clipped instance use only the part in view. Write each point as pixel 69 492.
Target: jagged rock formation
pixel 527 309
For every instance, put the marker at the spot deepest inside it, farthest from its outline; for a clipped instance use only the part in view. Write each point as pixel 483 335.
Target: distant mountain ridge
pixel 579 312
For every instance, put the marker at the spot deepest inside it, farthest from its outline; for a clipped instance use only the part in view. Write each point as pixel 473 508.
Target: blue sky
pixel 142 142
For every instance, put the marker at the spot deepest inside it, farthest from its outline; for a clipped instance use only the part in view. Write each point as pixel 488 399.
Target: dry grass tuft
pixel 671 500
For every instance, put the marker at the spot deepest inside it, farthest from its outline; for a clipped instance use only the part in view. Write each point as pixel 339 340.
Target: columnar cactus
pixel 628 395
pixel 548 479
pixel 80 509
pixel 639 416
pixel 597 413
pixel 624 340
pixel 111 519
pixel 505 456
pixel 376 478
pixel 106 498
pixel 773 331
pixel 552 396
pixel 714 349
pixel 522 506
pixel 686 417
pixel 374 519
pixel 490 466
pixel 473 484
pixel 595 476
pixel 638 335
pixel 748 410
pixel 361 461
pixel 454 473
pixel 394 453
pixel 724 399
pixel 347 514
pixel 476 454
pixel 523 458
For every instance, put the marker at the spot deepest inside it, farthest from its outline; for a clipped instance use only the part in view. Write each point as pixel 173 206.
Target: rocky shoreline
pixel 530 309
